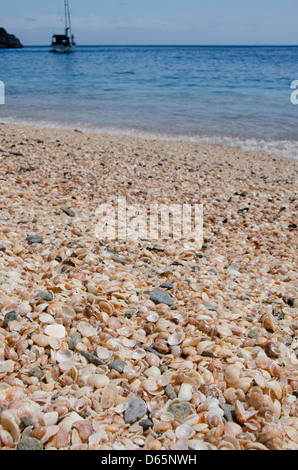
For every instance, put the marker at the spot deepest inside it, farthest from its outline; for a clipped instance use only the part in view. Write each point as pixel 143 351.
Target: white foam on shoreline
pixel 283 148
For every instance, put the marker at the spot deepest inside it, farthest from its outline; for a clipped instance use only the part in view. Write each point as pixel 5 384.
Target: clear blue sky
pixel 155 21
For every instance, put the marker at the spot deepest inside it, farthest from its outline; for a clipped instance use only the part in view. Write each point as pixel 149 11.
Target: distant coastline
pixel 9 41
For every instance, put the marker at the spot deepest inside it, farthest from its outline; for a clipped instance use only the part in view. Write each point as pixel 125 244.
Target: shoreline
pixel 275 148
pixel 216 367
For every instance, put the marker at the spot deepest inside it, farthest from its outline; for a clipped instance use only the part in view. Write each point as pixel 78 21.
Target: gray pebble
pixel 209 306
pixel 68 212
pixel 229 411
pixel 10 316
pixel 159 296
pixel 29 443
pixel 181 410
pixel 170 392
pixel 36 372
pixel 136 410
pixel 34 239
pixel 117 365
pixel 45 295
pixel 167 285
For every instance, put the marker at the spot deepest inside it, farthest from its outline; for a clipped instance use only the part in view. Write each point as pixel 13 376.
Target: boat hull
pixel 63 49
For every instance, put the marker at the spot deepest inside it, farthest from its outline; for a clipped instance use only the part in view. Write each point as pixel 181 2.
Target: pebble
pixel 136 410
pixel 210 306
pixel 10 316
pixel 68 211
pixel 181 410
pixel 34 239
pixel 170 392
pixel 36 372
pixel 159 296
pixel 167 285
pixel 29 443
pixel 117 365
pixel 45 295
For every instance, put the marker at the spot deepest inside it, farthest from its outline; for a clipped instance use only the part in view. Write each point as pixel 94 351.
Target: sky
pixel 143 22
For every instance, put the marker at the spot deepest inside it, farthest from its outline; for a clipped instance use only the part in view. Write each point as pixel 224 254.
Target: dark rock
pixel 146 424
pixel 9 41
pixel 229 411
pixel 117 365
pixel 2 248
pixel 167 285
pixel 170 392
pixel 10 316
pixel 92 358
pixel 29 443
pixel 159 296
pixel 26 421
pixel 45 295
pixel 34 239
pixel 136 410
pixel 209 306
pixel 68 212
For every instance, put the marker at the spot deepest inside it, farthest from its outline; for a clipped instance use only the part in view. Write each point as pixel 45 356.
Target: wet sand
pixel 215 369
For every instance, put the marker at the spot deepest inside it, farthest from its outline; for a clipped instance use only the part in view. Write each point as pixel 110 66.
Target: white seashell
pixel 224 331
pixel 184 431
pixel 185 392
pixel 86 329
pixel 165 379
pixel 55 343
pixel 46 318
pixel 63 355
pixel 152 372
pixel 153 317
pixel 8 422
pixel 68 311
pixel 204 345
pixel 56 330
pixel 98 380
pixel 126 331
pixel 49 419
pixel 7 366
pixel 176 338
pixel 103 353
pixel 138 354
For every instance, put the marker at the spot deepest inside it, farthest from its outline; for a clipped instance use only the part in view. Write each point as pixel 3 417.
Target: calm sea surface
pixel 230 95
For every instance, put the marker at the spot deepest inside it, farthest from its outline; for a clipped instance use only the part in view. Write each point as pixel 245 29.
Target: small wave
pixel 283 148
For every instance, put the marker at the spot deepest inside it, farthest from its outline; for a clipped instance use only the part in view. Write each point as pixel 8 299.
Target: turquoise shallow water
pixel 234 95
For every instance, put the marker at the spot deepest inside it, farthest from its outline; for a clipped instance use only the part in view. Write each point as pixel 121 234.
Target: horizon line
pixel 171 45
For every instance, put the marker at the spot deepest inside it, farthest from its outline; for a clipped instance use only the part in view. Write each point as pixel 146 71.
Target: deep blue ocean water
pixel 230 95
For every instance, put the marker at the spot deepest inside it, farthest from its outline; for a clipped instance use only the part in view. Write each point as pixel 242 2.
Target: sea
pixel 242 96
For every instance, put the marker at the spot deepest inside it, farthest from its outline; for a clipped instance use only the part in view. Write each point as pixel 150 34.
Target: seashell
pixel 46 318
pixel 203 345
pixel 292 433
pixel 56 330
pixel 109 396
pixel 184 432
pixel 164 379
pixel 6 439
pixel 54 343
pixel 138 354
pixel 176 338
pixel 85 429
pixel 185 392
pixel 268 322
pixel 49 419
pixel 63 355
pixel 152 372
pixel 232 429
pixel 126 331
pixel 229 442
pixel 241 414
pixel 9 307
pixel 86 329
pixel 153 317
pixel 68 312
pixel 232 375
pixel 106 307
pixel 98 380
pixel 40 340
pixel 7 366
pixel 103 353
pixel 55 308
pixel 8 422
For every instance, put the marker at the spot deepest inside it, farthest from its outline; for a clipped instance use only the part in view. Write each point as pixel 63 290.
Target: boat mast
pixel 67 18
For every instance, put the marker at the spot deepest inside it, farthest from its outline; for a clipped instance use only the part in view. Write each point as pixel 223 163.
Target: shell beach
pixel 92 357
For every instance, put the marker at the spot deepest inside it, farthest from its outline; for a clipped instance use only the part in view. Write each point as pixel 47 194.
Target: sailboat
pixel 64 42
